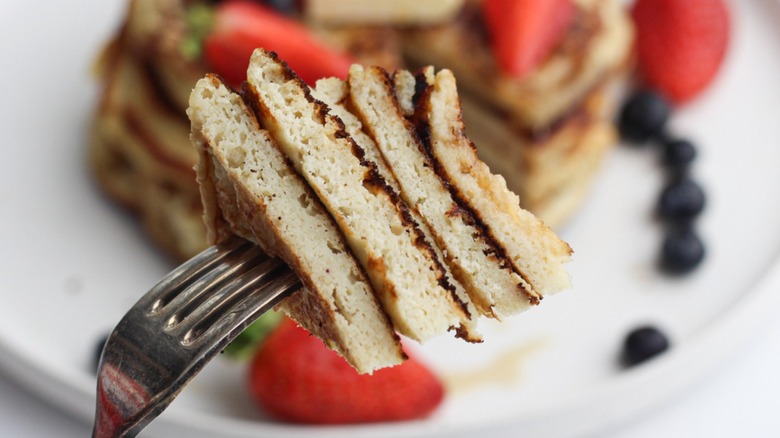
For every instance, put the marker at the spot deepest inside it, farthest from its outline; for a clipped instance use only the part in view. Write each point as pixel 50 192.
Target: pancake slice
pixel 475 260
pixel 406 274
pixel 249 188
pixel 530 245
pixel 335 93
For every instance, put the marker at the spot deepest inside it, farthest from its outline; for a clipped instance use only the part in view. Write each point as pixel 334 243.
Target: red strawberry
pixel 680 44
pixel 524 32
pixel 296 378
pixel 240 26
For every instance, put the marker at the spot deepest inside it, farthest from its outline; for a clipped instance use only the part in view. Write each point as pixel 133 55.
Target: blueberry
pixel 642 344
pixel 682 199
pixel 643 116
pixel 678 154
pixel 681 252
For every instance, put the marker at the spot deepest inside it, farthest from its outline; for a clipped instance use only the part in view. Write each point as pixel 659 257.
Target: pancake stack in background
pixel 140 148
pixel 546 132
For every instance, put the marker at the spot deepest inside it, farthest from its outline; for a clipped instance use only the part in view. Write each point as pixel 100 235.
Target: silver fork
pixel 167 337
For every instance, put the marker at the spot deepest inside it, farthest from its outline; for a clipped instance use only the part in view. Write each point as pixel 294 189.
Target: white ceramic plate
pixel 72 263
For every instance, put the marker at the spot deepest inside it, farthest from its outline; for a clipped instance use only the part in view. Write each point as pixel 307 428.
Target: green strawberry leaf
pixel 245 344
pixel 199 20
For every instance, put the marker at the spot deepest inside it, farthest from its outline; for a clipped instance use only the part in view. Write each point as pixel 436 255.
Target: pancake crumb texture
pixel 494 287
pixel 385 239
pixel 531 245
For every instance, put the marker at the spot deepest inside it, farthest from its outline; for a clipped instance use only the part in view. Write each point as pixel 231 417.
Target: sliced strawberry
pixel 296 378
pixel 524 32
pixel 680 44
pixel 240 26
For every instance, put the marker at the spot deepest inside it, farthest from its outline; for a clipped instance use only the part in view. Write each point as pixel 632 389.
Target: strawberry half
pixel 680 44
pixel 524 32
pixel 296 378
pixel 241 26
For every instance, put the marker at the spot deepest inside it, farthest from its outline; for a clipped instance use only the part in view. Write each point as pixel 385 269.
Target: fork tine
pixel 160 295
pixel 203 313
pixel 203 289
pixel 254 305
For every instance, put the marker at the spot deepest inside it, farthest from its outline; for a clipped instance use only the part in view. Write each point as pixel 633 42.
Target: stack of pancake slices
pixel 546 133
pixel 369 189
